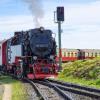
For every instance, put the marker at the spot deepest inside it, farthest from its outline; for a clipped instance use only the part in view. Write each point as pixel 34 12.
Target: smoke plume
pixel 36 8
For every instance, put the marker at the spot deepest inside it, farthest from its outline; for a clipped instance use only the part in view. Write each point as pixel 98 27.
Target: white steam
pixel 37 10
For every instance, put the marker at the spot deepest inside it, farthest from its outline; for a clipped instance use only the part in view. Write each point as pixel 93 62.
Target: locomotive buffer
pixel 59 20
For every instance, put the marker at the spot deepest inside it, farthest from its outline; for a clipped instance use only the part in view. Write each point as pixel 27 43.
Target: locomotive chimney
pixel 16 33
pixel 41 29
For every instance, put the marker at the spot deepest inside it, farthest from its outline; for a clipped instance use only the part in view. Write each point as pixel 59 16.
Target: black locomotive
pixel 32 53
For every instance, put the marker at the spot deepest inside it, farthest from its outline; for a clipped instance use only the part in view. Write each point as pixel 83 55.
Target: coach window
pixel 72 54
pixel 83 54
pixel 75 54
pixel 68 54
pixel 88 54
pixel 96 54
pixel 92 54
pixel 64 54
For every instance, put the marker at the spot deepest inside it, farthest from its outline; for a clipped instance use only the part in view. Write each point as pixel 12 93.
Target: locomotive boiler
pixel 31 54
pixel 42 44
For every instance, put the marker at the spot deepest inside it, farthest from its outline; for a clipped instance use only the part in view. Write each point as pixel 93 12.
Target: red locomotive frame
pixel 39 65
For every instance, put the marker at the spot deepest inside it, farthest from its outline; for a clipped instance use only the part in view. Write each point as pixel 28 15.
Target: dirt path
pixel 7 92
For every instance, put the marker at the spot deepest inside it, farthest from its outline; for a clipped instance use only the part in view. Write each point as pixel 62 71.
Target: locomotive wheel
pixel 19 72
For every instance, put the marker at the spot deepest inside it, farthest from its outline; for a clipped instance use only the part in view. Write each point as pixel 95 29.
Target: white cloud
pixel 83 14
pixel 17 22
pixel 81 28
pixel 84 24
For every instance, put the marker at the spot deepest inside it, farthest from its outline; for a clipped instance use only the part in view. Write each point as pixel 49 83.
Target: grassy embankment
pixel 1 91
pixel 83 72
pixel 18 91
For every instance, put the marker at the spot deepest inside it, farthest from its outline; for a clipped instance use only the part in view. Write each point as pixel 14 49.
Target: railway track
pixel 56 90
pixel 76 89
pixel 42 91
pixel 39 94
pixel 48 92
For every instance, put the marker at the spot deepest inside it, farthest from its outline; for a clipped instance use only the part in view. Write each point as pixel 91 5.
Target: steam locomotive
pixel 30 54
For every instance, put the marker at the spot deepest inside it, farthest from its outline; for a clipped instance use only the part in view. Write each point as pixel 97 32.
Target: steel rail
pixel 77 89
pixel 75 86
pixel 57 89
pixel 39 93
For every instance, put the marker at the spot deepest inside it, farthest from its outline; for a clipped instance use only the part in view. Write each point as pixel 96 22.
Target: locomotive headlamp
pixel 41 28
pixel 34 57
pixel 51 57
pixel 20 60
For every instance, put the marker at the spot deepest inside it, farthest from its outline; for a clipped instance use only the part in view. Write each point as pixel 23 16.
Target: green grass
pixel 1 93
pixel 84 82
pixel 6 80
pixel 18 90
pixel 0 97
pixel 83 72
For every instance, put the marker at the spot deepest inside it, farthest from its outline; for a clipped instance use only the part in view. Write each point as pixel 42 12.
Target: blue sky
pixel 81 28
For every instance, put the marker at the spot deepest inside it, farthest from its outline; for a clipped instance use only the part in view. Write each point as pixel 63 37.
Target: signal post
pixel 59 19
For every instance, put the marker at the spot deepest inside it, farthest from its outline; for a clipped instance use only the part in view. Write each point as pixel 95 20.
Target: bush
pixel 87 69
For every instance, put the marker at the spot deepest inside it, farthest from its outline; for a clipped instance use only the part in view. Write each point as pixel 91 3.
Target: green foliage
pixel 87 70
pixel 19 92
pixel 6 80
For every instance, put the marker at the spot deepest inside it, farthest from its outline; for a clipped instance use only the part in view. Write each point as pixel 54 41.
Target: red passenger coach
pixel 68 55
pixel 78 54
pixel 3 52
